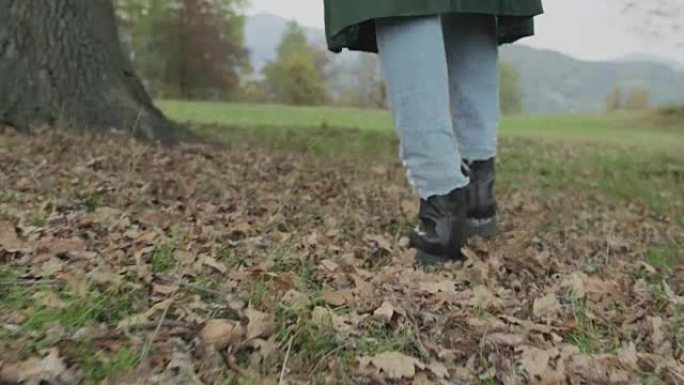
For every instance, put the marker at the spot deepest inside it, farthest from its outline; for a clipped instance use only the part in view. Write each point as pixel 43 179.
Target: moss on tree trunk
pixel 61 64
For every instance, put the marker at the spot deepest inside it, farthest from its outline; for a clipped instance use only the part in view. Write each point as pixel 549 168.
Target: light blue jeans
pixel 442 80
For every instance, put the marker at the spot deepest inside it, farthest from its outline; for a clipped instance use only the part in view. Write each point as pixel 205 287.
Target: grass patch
pixel 640 131
pixel 103 364
pixel 666 257
pixel 588 336
pixel 162 259
pixel 47 322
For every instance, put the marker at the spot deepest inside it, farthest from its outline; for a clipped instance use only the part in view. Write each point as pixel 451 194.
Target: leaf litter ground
pixel 129 263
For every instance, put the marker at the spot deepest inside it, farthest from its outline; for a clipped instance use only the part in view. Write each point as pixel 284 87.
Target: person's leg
pixel 472 56
pixel 414 63
pixel 413 59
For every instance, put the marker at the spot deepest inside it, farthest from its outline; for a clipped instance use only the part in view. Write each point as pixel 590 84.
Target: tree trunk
pixel 61 64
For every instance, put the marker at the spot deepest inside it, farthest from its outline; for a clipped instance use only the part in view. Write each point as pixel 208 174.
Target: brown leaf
pixel 598 286
pixel 260 324
pixel 505 339
pixel 541 365
pixel 296 300
pixel 321 316
pixel 628 356
pixel 436 287
pixel 184 257
pixel 394 365
pixel 546 306
pixel 658 334
pixel 329 265
pixel 165 289
pixel 483 297
pixel 213 263
pixel 439 370
pixel 49 299
pixel 335 298
pixel 180 370
pixel 8 237
pixel 384 313
pixel 576 284
pixel 49 369
pixel 221 333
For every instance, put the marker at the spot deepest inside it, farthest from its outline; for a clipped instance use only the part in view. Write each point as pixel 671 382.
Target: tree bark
pixel 61 64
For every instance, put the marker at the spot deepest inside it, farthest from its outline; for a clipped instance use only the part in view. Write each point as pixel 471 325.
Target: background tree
pixel 189 49
pixel 638 99
pixel 614 100
pixel 510 94
pixel 61 62
pixel 296 76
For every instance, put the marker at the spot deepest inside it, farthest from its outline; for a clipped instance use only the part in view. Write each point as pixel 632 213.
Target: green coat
pixel 350 23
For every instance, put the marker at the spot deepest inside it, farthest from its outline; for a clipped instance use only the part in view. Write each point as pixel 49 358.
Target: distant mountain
pixel 644 58
pixel 551 82
pixel 555 83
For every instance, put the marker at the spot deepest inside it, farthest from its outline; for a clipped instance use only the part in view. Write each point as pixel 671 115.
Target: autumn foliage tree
pixel 188 49
pixel 510 95
pixel 296 76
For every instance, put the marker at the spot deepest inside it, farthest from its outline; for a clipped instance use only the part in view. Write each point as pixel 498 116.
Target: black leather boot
pixel 481 200
pixel 440 234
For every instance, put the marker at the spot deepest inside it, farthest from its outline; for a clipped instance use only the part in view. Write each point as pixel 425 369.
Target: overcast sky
pixel 587 29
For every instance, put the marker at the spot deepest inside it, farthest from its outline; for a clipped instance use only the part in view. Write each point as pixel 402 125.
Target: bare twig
pixel 194 287
pixel 148 346
pixel 30 282
pixel 164 324
pixel 287 355
pixel 421 347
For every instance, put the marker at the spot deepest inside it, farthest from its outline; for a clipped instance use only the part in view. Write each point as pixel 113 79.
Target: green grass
pixel 666 257
pixel 96 306
pixel 162 258
pixel 634 130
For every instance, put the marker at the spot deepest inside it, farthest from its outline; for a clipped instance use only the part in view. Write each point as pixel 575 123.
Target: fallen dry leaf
pixel 165 289
pixel 436 287
pixel 542 365
pixel 213 263
pixel 628 357
pixel 504 339
pixel 335 298
pixel 439 370
pixel 260 324
pixel 61 247
pixel 329 265
pixel 546 307
pixel 180 370
pixel 221 333
pixel 384 313
pixel 393 364
pixel 49 369
pixel 8 237
pixel 598 286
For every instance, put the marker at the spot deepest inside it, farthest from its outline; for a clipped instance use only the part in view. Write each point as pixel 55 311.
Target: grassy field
pixel 624 129
pixel 279 256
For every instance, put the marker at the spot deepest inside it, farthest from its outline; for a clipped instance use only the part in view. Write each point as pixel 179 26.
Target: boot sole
pixel 485 228
pixel 426 259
